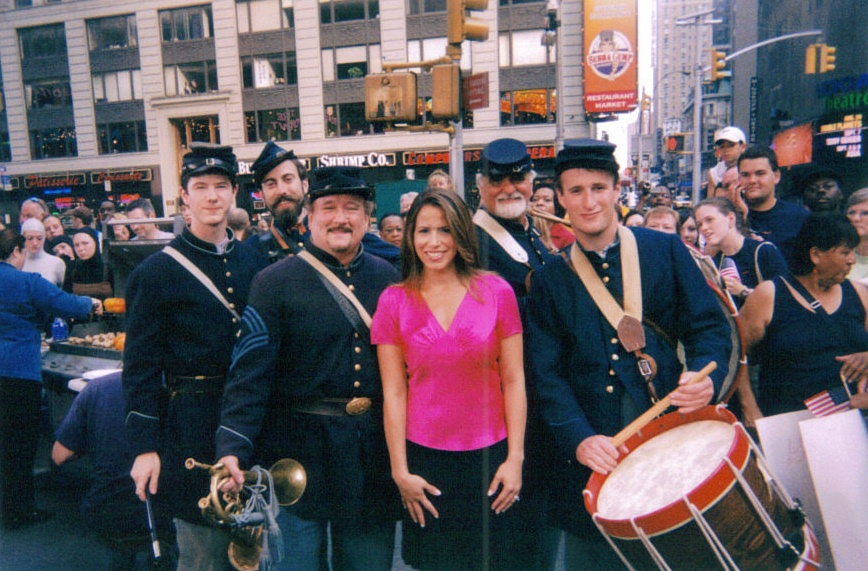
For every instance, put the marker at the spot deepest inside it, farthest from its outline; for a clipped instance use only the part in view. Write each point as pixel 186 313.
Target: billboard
pixel 610 55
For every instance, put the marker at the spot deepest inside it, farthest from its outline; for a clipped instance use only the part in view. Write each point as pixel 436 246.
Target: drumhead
pixel 663 469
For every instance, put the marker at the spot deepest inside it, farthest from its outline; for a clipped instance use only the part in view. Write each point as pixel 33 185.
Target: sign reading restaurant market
pixel 418 158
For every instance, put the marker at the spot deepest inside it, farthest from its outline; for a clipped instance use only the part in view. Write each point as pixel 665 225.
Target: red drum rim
pixel 714 487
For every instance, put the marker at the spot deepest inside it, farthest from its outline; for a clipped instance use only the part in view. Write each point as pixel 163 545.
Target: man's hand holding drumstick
pixel 695 390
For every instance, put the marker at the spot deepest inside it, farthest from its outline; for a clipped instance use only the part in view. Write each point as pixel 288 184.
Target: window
pixel 264 15
pixel 347 10
pixel 273 125
pixel 48 93
pixel 112 33
pixel 197 129
pixel 129 137
pixel 183 24
pixel 527 106
pixel 427 6
pixel 269 70
pixel 433 48
pixel 347 120
pixel 124 85
pixel 523 48
pixel 44 41
pixel 5 149
pixel 350 62
pixel 53 143
pixel 191 78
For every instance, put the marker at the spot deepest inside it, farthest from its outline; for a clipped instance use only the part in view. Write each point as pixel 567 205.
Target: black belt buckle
pixel 358 405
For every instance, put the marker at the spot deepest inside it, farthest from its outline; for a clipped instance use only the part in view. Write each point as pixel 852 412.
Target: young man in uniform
pixel 586 383
pixel 180 331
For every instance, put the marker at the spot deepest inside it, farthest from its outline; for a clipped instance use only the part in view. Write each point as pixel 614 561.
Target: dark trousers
pixel 19 435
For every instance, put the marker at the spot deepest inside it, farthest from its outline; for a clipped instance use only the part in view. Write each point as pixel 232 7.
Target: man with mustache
pixel 512 247
pixel 283 180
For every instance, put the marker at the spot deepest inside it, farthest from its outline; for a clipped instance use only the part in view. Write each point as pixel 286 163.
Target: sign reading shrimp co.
pixel 610 55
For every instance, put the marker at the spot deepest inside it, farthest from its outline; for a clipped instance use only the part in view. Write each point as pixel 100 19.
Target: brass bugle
pixel 288 475
pixel 550 217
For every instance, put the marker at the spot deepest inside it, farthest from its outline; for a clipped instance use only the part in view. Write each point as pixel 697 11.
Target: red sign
pixel 475 91
pixel 140 175
pixel 418 158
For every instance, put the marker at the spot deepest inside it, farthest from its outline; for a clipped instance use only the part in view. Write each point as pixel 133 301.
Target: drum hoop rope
pixel 655 555
pixel 720 550
pixel 623 558
pixel 758 508
pixel 762 464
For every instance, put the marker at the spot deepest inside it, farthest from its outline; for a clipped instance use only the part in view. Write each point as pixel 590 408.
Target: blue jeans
pixel 306 545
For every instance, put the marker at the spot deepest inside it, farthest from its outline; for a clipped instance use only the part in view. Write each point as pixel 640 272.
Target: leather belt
pixel 199 384
pixel 335 406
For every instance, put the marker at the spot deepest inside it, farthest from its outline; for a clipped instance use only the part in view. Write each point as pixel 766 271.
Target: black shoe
pixel 26 520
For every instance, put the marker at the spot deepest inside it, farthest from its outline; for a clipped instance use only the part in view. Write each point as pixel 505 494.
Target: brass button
pixel 614 341
pixel 610 389
pixel 357 367
pixel 605 279
pixel 232 305
pixel 351 287
pixel 612 372
pixel 230 290
pixel 228 274
pixel 357 349
pixel 356 335
pixel 615 356
pixel 349 274
pixel 605 265
pixel 357 384
pixel 234 320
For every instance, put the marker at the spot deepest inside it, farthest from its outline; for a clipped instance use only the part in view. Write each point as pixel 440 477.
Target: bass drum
pixel 694 492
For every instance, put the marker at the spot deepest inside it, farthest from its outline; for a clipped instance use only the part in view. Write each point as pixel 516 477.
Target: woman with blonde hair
pixel 449 342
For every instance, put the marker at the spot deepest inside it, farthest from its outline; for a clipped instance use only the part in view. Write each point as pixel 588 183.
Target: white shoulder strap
pixel 500 235
pixel 200 275
pixel 341 286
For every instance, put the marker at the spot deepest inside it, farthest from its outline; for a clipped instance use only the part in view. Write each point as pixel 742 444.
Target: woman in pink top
pixel 450 352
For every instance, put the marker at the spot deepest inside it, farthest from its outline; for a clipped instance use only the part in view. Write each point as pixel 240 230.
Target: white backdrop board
pixel 782 447
pixel 836 447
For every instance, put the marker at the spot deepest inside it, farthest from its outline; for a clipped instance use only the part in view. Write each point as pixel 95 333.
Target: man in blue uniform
pixel 511 246
pixel 282 178
pixel 587 384
pixel 508 242
pixel 305 384
pixel 180 331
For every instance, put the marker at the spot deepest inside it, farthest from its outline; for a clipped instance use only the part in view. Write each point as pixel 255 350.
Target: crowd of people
pixel 462 372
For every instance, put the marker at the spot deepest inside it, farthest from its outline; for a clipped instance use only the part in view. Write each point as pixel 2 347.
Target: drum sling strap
pixel 506 241
pixel 350 305
pixel 626 321
pixel 200 275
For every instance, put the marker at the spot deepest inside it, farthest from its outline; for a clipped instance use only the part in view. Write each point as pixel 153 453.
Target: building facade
pixel 101 98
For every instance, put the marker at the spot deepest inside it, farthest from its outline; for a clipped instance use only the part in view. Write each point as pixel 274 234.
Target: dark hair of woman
pixel 823 231
pixel 463 232
pixel 9 240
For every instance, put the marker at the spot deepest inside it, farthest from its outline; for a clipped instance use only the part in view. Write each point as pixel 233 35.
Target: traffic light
pixel 811 59
pixel 445 91
pixel 460 27
pixel 675 143
pixel 827 58
pixel 391 97
pixel 718 65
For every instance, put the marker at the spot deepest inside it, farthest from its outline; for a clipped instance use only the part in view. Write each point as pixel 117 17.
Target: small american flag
pixel 730 272
pixel 829 402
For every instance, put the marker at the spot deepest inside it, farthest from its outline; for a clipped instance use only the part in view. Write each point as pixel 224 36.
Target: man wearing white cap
pixel 36 259
pixel 730 144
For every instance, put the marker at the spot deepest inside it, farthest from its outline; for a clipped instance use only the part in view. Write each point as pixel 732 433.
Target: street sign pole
pixel 456 158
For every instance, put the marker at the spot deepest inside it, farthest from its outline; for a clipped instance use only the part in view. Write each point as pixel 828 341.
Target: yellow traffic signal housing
pixel 718 65
pixel 460 27
pixel 446 91
pixel 827 58
pixel 811 59
pixel 390 97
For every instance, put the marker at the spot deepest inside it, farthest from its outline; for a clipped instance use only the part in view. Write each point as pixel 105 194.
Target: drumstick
pixel 658 408
pixel 549 217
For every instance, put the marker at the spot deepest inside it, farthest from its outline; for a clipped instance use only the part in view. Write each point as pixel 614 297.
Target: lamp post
pixel 551 38
pixel 698 19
